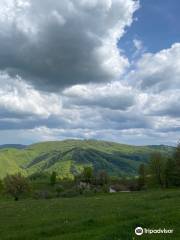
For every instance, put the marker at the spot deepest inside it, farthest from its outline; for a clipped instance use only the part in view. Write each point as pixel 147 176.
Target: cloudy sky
pixel 93 69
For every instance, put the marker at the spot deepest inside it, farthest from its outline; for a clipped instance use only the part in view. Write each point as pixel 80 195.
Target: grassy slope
pixel 102 217
pixel 70 156
pixel 11 160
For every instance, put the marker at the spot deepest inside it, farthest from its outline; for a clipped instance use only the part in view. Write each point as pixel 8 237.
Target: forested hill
pixel 70 156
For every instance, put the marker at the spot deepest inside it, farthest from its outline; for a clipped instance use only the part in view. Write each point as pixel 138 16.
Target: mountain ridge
pixel 16 146
pixel 68 157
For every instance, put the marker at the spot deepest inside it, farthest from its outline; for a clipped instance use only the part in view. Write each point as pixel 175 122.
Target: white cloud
pixel 59 44
pixel 165 103
pixel 139 49
pixel 159 71
pixel 63 76
pixel 19 98
pixel 113 95
pixel 138 44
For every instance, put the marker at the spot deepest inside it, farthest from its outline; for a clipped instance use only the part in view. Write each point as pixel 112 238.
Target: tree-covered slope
pixel 70 156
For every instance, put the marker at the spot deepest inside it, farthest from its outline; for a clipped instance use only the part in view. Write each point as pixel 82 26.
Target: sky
pixel 90 69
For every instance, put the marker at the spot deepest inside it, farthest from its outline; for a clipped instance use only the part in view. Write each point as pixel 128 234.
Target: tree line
pixel 17 185
pixel 161 171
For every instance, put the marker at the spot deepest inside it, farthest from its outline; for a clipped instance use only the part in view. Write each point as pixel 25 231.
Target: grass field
pixel 101 217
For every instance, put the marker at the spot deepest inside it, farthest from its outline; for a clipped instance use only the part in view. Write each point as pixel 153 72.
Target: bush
pixel 59 190
pixel 44 194
pixel 133 185
pixel 105 188
pixel 73 192
pixel 39 176
pixel 16 185
pixel 119 187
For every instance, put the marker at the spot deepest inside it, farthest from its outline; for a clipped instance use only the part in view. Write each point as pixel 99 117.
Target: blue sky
pixel 101 69
pixel 157 26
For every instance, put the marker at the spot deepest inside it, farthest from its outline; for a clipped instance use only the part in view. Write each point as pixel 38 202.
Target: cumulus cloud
pixel 159 71
pixel 63 76
pixel 59 44
pixel 164 104
pixel 112 96
pixel 19 99
pixel 139 48
pixel 137 44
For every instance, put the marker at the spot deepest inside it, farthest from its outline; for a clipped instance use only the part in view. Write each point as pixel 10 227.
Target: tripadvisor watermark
pixel 140 231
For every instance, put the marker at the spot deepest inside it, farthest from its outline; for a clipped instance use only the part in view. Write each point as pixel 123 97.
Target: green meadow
pixel 100 217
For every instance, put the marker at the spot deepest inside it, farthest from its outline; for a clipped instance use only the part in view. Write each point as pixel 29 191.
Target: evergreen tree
pixel 53 178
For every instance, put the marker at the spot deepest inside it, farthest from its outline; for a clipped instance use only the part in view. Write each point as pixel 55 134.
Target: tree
pixel 16 185
pixel 1 186
pixel 53 178
pixel 156 167
pixel 87 174
pixel 142 176
pixel 169 172
pixel 102 178
pixel 177 166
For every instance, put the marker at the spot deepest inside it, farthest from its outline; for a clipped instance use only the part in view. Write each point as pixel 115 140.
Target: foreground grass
pixel 102 217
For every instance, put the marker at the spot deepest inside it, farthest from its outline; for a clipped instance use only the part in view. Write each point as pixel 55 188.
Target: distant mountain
pixel 17 146
pixel 70 156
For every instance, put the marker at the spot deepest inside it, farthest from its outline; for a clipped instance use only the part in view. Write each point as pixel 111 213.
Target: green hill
pixel 70 156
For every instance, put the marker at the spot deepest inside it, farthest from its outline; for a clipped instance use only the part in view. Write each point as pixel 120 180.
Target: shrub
pixel 133 185
pixel 44 194
pixel 59 190
pixel 73 192
pixel 16 185
pixel 39 176
pixel 119 187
